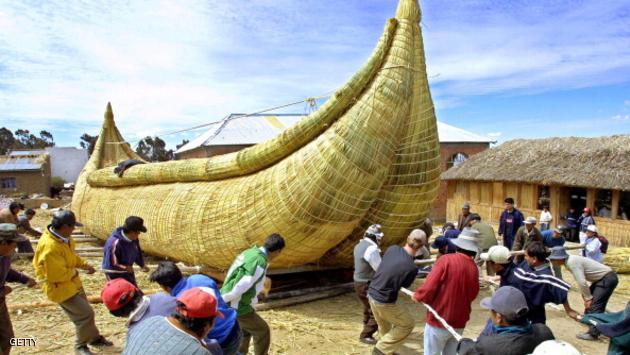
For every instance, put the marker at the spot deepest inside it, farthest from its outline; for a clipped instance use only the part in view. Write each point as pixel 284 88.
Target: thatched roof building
pixel 559 173
pixel 602 162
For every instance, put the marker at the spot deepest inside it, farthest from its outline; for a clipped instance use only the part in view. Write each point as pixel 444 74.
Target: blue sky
pixel 506 69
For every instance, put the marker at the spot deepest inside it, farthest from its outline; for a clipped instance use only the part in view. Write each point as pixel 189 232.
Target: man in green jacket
pixel 245 280
pixel 487 238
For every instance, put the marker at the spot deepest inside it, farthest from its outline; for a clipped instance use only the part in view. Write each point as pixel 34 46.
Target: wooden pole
pixel 301 299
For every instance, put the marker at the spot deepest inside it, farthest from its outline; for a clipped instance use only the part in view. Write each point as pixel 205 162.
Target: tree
pixel 88 142
pixel 183 143
pixel 154 149
pixel 24 139
pixel 6 140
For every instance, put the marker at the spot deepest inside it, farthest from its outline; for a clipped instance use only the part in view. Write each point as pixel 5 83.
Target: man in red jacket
pixel 450 288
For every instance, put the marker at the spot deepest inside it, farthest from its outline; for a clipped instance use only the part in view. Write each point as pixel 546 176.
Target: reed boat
pixel 369 154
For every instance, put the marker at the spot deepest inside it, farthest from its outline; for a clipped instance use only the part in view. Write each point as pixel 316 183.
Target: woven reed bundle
pixel 618 259
pixel 370 154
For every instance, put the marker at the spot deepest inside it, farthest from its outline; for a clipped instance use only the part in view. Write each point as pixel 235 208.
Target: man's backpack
pixel 604 247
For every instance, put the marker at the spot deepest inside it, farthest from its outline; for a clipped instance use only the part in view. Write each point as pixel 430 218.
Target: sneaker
pixel 586 336
pixel 101 341
pixel 368 340
pixel 83 350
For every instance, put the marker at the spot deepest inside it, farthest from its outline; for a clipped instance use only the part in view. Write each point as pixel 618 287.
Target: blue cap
pixel 507 301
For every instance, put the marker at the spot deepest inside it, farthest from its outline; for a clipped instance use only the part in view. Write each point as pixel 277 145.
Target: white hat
pixel 555 347
pixel 592 228
pixel 530 220
pixel 468 239
pixel 497 254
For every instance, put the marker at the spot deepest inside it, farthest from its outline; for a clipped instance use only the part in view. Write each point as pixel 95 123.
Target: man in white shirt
pixel 603 281
pixel 592 247
pixel 367 258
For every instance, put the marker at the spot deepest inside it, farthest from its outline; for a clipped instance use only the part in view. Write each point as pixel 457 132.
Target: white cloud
pixel 167 65
pixel 494 134
pixel 623 118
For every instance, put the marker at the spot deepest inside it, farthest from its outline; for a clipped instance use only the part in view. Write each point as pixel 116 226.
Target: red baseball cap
pixel 587 210
pixel 199 302
pixel 117 293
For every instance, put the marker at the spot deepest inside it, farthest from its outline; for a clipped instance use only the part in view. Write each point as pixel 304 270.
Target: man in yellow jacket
pixel 56 264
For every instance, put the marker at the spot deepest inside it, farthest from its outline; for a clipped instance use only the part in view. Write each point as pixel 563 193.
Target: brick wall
pixel 447 150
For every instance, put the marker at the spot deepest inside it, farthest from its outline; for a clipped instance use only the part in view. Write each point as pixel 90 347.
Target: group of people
pixel 192 316
pixel 526 268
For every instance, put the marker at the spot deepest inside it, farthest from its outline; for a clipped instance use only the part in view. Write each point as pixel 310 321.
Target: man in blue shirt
pixel 511 220
pixel 554 238
pixel 226 330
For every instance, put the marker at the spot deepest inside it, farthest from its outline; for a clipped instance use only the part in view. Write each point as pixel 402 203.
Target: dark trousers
pixel 369 323
pixel 129 276
pixel 25 247
pixel 601 291
pixel 256 327
pixel 508 240
pixel 6 329
pixel 233 342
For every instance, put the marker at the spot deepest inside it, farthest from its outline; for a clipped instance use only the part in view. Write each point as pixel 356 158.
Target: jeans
pixel 601 291
pixel 544 226
pixel 439 341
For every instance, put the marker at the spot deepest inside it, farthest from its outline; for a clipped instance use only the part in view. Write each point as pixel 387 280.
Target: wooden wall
pixel 486 198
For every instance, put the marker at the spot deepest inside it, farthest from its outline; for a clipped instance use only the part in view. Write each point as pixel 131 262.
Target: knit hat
pixel 375 231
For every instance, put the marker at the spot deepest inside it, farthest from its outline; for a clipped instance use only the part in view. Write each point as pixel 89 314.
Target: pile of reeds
pixel 618 259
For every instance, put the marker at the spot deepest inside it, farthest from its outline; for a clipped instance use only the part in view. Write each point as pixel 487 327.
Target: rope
pixel 450 329
pixel 309 100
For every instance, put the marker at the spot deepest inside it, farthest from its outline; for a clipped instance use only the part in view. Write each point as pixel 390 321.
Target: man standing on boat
pixel 244 281
pixel 367 258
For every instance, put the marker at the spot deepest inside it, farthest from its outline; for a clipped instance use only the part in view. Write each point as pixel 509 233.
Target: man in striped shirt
pixel 539 289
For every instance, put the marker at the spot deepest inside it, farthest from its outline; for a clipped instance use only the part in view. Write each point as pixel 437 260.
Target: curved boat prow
pixel 110 148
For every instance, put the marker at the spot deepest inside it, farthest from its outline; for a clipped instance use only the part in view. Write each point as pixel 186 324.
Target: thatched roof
pixel 602 162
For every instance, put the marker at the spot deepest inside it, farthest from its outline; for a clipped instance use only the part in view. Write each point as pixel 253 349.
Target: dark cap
pixel 475 217
pixel 558 253
pixel 134 224
pixel 66 217
pixel 507 301
pixel 509 200
pixel 8 232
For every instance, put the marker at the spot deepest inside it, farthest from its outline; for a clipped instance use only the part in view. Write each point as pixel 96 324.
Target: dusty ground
pixel 323 327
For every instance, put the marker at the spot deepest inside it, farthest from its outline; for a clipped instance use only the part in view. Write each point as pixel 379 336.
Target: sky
pixel 504 69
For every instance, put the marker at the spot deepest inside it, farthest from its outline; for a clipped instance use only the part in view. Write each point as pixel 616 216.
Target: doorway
pixel 577 198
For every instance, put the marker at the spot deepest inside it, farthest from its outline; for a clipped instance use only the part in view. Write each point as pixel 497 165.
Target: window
pixel 624 205
pixel 8 183
pixel 456 159
pixel 603 203
pixel 543 197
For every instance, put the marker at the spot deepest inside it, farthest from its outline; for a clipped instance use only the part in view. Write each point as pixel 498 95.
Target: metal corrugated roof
pixel 21 163
pixel 254 129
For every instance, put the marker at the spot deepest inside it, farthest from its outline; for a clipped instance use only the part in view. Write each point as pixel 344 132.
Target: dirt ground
pixel 323 327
